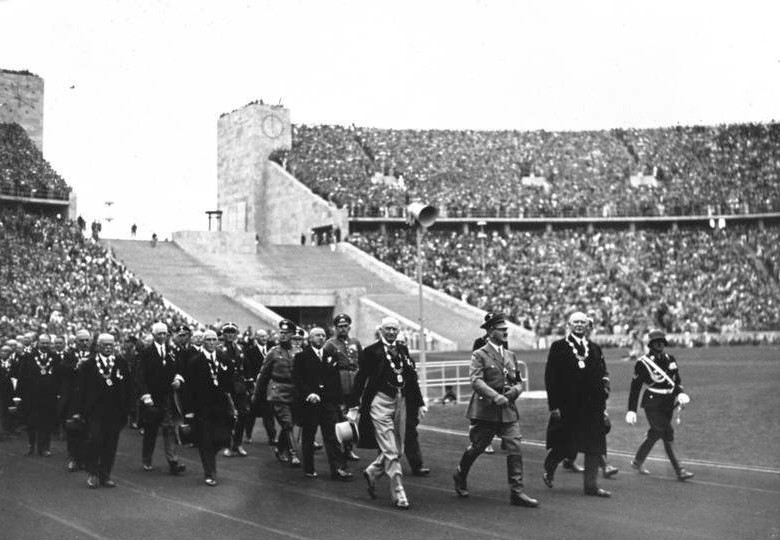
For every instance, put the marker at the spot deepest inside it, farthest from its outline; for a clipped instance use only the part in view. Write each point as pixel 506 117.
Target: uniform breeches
pixel 481 434
pixel 660 420
pixel 388 415
pixel 283 414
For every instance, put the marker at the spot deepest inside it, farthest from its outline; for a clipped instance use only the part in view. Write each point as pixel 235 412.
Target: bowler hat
pixel 346 432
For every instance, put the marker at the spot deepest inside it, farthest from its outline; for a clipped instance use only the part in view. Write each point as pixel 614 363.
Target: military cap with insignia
pixel 493 320
pixel 183 328
pixel 286 325
pixel 341 318
pixel 229 327
pixel 657 335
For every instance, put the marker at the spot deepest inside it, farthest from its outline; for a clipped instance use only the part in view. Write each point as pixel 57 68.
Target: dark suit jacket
pixel 96 400
pixel 154 376
pixel 312 376
pixel 368 380
pixel 204 399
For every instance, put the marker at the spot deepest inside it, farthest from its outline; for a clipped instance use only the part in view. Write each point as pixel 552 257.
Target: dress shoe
pixel 489 449
pixel 108 483
pixel 209 481
pixel 371 484
pixel 295 461
pixel 521 499
pixel 72 466
pixel 547 478
pixel 684 475
pixel 311 475
pixel 341 474
pixel 422 471
pixel 571 466
pixel 240 452
pixel 317 446
pixel 610 471
pixel 598 492
pixel 352 456
pixel 227 452
pixel 281 456
pixel 461 488
pixel 400 500
pixel 175 468
pixel 148 467
pixel 92 481
pixel 638 467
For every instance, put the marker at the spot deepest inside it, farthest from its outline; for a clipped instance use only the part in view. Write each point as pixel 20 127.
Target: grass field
pixel 734 416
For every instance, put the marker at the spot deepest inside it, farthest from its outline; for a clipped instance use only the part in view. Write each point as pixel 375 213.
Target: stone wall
pixel 21 101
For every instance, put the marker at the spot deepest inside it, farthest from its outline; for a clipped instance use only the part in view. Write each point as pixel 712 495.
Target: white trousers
pixel 388 415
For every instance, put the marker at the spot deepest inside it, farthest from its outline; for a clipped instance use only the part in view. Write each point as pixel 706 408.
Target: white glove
pixel 683 398
pixel 147 400
pixel 177 382
pixel 631 418
pixel 189 416
pixel 421 412
pixel 312 398
pixel 353 415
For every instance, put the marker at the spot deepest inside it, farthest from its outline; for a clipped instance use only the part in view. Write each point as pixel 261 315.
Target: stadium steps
pixel 182 280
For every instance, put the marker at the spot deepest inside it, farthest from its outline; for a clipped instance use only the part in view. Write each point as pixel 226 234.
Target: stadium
pixel 671 228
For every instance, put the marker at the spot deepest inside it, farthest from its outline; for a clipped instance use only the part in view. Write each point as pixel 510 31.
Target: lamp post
pixel 481 235
pixel 421 216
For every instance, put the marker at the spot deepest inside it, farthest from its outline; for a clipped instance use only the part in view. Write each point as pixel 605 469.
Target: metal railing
pixel 452 378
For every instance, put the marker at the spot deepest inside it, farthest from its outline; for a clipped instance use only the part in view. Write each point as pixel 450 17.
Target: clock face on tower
pixel 272 126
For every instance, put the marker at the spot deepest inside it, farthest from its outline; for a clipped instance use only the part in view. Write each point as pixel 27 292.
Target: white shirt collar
pixel 498 348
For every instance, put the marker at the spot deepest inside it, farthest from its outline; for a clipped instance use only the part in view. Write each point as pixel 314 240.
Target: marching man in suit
pixel 103 402
pixel 386 379
pixel 209 405
pixel 158 379
pixel 497 383
pixel 658 370
pixel 316 377
pixel 38 386
pixel 577 390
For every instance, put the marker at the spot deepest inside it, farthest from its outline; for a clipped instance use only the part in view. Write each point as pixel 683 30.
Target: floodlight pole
pixel 421 360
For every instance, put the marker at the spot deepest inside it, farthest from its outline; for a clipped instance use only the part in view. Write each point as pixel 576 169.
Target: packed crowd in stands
pixel 730 169
pixel 54 279
pixel 690 280
pixel 23 170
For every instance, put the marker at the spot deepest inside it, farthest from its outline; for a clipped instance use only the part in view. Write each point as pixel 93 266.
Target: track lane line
pixel 58 519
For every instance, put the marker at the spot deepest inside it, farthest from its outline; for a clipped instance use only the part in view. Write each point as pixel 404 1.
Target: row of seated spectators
pixel 375 172
pixel 23 170
pixel 693 280
pixel 51 277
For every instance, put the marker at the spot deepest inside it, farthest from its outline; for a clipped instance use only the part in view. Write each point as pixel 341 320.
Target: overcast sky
pixel 151 77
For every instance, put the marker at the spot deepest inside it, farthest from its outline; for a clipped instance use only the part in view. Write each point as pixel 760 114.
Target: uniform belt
pixel 664 391
pixel 282 380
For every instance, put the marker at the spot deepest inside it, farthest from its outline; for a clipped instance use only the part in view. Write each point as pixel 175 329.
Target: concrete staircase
pixel 207 284
pixel 183 280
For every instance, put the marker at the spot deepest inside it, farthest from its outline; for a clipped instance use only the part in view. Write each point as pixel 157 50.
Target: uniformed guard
pixel 658 370
pixel 275 380
pixel 233 353
pixel 346 350
pixel 497 383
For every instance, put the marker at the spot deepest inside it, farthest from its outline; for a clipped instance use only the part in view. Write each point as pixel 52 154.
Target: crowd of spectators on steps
pixel 729 169
pixel 690 280
pixel 53 278
pixel 23 170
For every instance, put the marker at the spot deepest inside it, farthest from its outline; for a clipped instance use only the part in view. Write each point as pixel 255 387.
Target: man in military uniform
pixel 103 401
pixel 316 377
pixel 233 353
pixel 658 370
pixel 275 380
pixel 386 379
pixel 38 387
pixel 346 350
pixel 158 378
pixel 495 378
pixel 577 390
pixel 256 352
